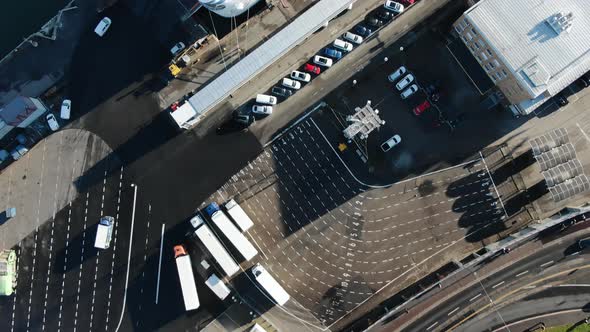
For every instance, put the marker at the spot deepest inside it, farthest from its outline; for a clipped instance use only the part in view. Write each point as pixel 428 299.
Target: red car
pixel 422 107
pixel 311 69
pixel 407 2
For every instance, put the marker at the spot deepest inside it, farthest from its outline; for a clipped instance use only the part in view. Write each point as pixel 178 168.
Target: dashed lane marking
pixel 475 297
pixel 522 273
pixel 546 263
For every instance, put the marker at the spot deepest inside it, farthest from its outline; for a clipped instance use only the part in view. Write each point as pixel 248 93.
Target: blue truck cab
pixel 211 209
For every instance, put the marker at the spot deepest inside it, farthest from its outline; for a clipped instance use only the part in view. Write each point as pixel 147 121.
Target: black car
pixel 363 31
pixel 282 92
pixel 373 21
pixel 561 100
pixel 385 15
pixel 584 81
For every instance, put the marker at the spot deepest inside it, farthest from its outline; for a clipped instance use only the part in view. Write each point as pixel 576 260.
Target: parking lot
pixel 334 242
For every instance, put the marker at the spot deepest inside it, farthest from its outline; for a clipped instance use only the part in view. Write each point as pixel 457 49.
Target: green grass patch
pixel 568 328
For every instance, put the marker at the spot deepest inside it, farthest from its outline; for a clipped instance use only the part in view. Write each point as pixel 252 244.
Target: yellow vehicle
pixel 174 69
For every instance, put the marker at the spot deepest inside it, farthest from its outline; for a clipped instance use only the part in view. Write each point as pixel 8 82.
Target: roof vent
pixel 561 22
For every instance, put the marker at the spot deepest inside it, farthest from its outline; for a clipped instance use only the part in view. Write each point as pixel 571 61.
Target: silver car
pixel 404 82
pixel 390 143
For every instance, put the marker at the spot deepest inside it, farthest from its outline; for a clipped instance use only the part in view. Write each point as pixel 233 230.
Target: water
pixel 19 19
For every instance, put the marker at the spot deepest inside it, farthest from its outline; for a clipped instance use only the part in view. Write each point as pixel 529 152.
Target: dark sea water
pixel 20 18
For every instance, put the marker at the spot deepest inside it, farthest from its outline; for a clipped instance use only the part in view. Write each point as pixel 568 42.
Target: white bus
pixel 270 285
pixel 187 278
pixel 225 261
pixel 236 212
pixel 232 233
pixel 217 286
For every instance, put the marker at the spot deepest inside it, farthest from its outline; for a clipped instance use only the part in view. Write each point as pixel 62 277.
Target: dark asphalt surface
pixel 525 271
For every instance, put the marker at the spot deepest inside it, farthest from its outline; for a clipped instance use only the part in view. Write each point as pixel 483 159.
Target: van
pixel 266 99
pixel 341 44
pixel 104 232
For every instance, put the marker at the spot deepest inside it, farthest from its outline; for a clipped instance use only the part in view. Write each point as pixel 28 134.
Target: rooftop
pixel 544 42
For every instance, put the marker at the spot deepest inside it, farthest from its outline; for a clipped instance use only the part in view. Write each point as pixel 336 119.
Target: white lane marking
pixel 498 284
pixel 546 263
pixel 453 311
pixel 431 326
pixel 522 273
pixel 128 258
pixel 475 297
pixel 160 263
pixel 493 183
pixel 575 253
pixel 81 260
pixel 574 285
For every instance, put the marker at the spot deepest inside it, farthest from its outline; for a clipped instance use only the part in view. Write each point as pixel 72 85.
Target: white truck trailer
pixel 270 285
pixel 187 278
pixel 231 232
pixel 223 258
pixel 236 212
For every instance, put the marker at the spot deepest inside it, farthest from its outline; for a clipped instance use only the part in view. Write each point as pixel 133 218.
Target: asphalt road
pixel 529 274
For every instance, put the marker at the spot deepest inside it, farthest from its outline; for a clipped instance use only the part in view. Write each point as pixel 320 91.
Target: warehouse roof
pixel 544 42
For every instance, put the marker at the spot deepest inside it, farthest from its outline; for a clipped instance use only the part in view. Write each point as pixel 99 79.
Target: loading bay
pixel 334 242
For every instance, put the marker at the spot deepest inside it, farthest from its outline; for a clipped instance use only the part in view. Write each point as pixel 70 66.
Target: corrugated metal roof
pixel 262 57
pixel 519 33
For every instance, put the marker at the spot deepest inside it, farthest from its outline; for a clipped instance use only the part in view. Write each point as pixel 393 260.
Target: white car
pixel 300 76
pixel 262 109
pixel 322 61
pixel 103 26
pixel 177 48
pixel 404 82
pixel 52 122
pixel 390 143
pixel 18 152
pixel 291 84
pixel 394 6
pixel 341 44
pixel 409 91
pixel 351 37
pixel 66 107
pixel 396 74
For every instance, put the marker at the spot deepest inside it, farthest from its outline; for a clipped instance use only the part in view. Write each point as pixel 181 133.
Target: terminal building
pixel 530 49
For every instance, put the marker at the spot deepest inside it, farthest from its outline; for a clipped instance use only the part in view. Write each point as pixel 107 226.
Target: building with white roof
pixel 531 49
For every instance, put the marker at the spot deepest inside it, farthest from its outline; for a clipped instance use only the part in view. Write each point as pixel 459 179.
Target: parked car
pixel 66 108
pixel 351 37
pixel 561 100
pixel 312 69
pixel 394 6
pixel 409 91
pixel 4 155
pixel 404 82
pixel 282 92
pixel 322 61
pixel 291 84
pixel 300 76
pixel 262 109
pixel 396 74
pixel 423 106
pixel 22 139
pixel 52 122
pixel 374 22
pixel 18 152
pixel 407 3
pixel 341 44
pixel 584 81
pixel 177 48
pixel 245 119
pixel 332 53
pixel 390 143
pixel 103 26
pixel 266 99
pixel 385 15
pixel 363 31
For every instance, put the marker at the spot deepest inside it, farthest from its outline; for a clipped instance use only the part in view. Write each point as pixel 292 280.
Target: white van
pixel 266 99
pixel 102 26
pixel 341 44
pixel 66 107
pixel 104 232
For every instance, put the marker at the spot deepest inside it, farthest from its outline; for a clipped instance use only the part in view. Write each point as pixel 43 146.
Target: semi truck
pixel 7 272
pixel 236 212
pixel 187 278
pixel 231 232
pixel 217 250
pixel 270 285
pixel 104 232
